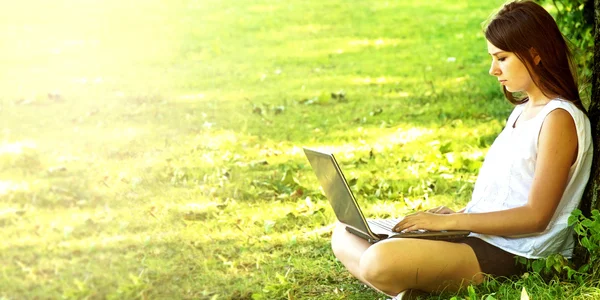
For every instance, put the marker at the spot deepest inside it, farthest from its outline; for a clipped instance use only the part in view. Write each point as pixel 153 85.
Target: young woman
pixel 532 178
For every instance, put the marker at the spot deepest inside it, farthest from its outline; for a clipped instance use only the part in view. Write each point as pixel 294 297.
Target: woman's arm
pixel 557 151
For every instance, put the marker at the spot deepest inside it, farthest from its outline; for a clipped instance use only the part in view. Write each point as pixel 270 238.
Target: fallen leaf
pixel 524 295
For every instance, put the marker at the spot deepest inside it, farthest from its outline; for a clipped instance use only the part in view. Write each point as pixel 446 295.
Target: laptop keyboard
pixel 388 224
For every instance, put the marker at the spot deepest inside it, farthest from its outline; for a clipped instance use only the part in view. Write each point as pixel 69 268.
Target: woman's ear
pixel 536 57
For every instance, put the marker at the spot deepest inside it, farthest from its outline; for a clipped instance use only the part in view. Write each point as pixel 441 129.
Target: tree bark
pixel 591 196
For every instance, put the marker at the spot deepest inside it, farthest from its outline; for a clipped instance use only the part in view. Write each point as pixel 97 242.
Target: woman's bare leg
pixel 348 248
pixel 396 265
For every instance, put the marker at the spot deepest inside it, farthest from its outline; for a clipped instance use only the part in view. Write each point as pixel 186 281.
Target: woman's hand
pixel 441 210
pixel 424 220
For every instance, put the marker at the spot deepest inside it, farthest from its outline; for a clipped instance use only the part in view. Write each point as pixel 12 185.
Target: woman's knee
pixel 375 267
pixel 370 264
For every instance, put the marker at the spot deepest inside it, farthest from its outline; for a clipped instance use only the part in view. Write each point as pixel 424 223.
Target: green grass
pixel 151 149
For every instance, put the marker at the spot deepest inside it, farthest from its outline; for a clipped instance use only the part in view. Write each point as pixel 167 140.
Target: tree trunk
pixel 591 195
pixel 592 192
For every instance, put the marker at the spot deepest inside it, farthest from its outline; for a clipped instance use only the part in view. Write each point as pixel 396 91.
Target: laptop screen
pixel 336 189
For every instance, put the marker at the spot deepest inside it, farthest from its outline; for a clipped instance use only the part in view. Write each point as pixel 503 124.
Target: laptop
pixel 346 208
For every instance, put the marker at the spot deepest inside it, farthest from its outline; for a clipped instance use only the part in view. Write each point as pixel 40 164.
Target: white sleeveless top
pixel 506 176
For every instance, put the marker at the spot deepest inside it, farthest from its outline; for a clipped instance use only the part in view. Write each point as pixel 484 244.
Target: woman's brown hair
pixel 524 27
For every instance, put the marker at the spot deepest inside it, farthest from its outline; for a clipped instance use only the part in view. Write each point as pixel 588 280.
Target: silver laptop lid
pixel 337 190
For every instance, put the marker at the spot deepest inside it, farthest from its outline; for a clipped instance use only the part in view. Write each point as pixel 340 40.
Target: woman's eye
pixel 501 58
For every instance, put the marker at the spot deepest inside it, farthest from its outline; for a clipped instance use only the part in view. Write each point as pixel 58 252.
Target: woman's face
pixel 510 70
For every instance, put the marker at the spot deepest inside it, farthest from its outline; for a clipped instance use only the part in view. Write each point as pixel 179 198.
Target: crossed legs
pixel 395 265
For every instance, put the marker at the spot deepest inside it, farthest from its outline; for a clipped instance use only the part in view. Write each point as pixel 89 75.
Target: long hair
pixel 524 27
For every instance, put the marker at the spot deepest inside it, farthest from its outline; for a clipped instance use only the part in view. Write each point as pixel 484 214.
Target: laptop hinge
pixel 362 235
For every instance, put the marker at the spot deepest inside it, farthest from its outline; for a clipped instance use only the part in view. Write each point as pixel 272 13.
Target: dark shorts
pixel 493 260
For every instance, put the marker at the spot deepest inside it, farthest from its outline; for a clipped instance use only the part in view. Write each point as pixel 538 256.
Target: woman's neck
pixel 537 98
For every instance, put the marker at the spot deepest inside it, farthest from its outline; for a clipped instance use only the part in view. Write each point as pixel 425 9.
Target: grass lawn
pixel 151 149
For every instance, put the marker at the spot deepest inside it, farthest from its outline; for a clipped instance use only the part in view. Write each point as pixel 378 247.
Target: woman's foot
pixel 411 295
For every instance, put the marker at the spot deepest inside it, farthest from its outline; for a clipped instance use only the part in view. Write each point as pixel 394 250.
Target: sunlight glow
pixel 310 28
pixel 216 139
pixel 7 186
pixel 401 136
pixel 377 81
pixel 192 97
pixel 375 42
pixel 387 142
pixel 17 147
pixel 263 8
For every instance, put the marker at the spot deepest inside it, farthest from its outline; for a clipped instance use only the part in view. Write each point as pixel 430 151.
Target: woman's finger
pixel 405 224
pixel 435 209
pixel 411 228
pixel 403 221
pixel 400 226
pixel 441 210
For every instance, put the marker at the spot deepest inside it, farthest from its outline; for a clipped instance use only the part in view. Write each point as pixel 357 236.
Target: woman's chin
pixel 513 90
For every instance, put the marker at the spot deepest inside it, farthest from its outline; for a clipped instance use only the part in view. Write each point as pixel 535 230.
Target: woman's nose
pixel 494 70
